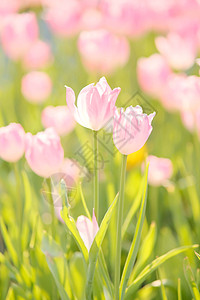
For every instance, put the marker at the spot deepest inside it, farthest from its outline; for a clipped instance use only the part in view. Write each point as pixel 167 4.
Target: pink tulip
pixel 160 170
pixel 87 229
pixel 191 120
pixel 38 56
pixel 153 73
pixel 95 104
pixel 64 17
pixel 44 152
pixel 131 129
pixel 103 52
pixel 12 142
pixel 125 17
pixel 18 33
pixel 36 86
pixel 58 117
pixel 8 7
pixel 170 47
pixel 181 93
pixel 91 19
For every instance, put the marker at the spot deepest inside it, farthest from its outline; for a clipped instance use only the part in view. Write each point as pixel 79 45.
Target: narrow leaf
pixel 94 250
pixel 71 225
pixel 179 289
pixel 136 241
pixel 190 279
pixel 152 267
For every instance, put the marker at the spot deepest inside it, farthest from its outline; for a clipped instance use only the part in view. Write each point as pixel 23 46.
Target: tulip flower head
pixel 87 229
pixel 12 142
pixel 58 117
pixel 95 104
pixel 131 129
pixel 36 86
pixel 160 170
pixel 44 152
pixel 18 33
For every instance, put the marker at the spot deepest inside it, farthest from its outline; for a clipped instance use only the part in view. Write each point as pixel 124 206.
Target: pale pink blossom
pixel 58 117
pixel 87 229
pixel 95 104
pixel 131 129
pixel 44 152
pixel 18 33
pixel 92 19
pixel 102 51
pixel 12 142
pixel 153 73
pixel 36 86
pixel 160 170
pixel 127 17
pixel 8 7
pixel 179 51
pixel 191 120
pixel 181 93
pixel 64 17
pixel 38 56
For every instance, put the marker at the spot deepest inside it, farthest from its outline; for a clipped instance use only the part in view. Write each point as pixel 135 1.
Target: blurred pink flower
pixel 160 170
pixel 153 73
pixel 181 93
pixel 58 117
pixel 44 152
pixel 95 104
pixel 8 7
pixel 103 52
pixel 18 33
pixel 180 52
pixel 92 19
pixel 131 129
pixel 38 56
pixel 12 142
pixel 87 229
pixel 64 17
pixel 191 120
pixel 126 17
pixel 36 86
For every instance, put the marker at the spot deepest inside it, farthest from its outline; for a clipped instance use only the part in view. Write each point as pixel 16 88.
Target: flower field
pixel 99 149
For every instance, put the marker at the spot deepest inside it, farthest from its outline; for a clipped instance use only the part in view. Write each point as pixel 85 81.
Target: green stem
pixel 119 226
pixel 96 177
pixel 48 181
pixel 19 195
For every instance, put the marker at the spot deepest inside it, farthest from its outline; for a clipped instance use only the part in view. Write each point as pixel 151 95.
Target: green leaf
pixel 71 225
pixel 152 267
pixel 136 241
pixel 163 292
pixel 145 251
pixel 11 250
pixel 52 250
pixel 197 255
pixel 94 250
pixel 190 279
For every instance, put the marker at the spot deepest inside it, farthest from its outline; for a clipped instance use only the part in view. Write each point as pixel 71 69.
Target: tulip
pixel 87 229
pixel 44 152
pixel 170 48
pixel 152 74
pixel 181 93
pixel 136 158
pixel 38 56
pixel 160 170
pixel 8 7
pixel 58 117
pixel 95 104
pixel 63 17
pixel 12 142
pixel 191 120
pixel 36 86
pixel 18 33
pixel 131 129
pixel 102 51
